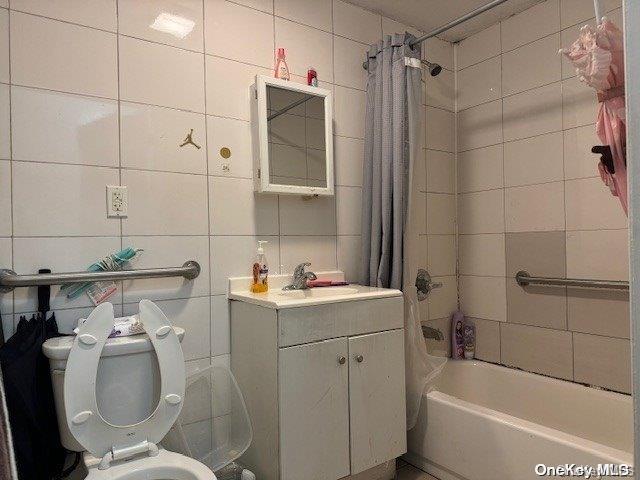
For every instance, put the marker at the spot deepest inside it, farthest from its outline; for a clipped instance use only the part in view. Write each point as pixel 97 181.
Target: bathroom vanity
pixel 323 375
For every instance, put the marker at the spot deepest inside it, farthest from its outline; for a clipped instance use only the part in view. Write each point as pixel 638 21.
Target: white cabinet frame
pixel 261 173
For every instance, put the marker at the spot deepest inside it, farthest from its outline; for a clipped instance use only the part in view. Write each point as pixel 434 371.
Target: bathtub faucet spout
pixel 432 333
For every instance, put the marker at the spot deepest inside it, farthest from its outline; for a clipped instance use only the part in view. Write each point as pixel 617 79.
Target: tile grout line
pixel 208 196
pixel 119 119
pixel 11 171
pixel 504 190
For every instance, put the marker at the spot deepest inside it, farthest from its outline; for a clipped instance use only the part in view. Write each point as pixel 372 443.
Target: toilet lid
pixel 86 424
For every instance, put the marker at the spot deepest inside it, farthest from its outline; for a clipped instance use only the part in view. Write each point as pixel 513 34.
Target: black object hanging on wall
pixel 29 395
pixel 606 157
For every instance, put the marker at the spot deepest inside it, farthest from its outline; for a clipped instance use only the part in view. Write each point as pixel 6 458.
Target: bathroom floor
pixel 407 472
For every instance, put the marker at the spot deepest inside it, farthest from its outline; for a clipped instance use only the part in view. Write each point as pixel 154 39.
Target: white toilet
pixel 116 400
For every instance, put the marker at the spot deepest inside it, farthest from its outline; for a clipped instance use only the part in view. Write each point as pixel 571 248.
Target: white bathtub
pixel 486 422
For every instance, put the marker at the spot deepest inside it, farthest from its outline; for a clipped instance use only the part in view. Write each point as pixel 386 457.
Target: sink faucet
pixel 300 278
pixel 432 333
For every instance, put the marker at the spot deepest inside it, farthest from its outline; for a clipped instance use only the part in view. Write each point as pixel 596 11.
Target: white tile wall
pixel 179 210
pixel 480 126
pixel 535 208
pixel 479 47
pixel 149 136
pixel 5 198
pixel 92 13
pixel 440 91
pixel 355 23
pixel 349 210
pixel 226 22
pixel 235 80
pixel 64 57
pixel 578 159
pixel 4 46
pixel 576 11
pixel 315 13
pixel 479 83
pixel 306 46
pixel 5 134
pixel 536 22
pixel 350 257
pixel 63 128
pixel 234 135
pixel 349 111
pixel 100 96
pixel 527 179
pixel 531 65
pixel 480 169
pixel 145 20
pixel 321 251
pixel 235 209
pixel 348 155
pixel 348 57
pixel 533 112
pixel 70 200
pixel 440 129
pixel 145 78
pixel 585 254
pixel 483 297
pixel 534 160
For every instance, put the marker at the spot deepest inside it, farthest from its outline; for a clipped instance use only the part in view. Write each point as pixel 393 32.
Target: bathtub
pixel 487 422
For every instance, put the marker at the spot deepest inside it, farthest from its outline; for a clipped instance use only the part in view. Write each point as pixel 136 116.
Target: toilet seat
pixel 164 466
pixel 116 442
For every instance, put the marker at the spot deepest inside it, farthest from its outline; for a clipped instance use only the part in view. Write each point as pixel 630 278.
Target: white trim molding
pixel 632 63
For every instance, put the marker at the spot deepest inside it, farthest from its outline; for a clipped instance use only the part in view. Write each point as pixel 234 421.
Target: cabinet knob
pixel 359 358
pixel 342 360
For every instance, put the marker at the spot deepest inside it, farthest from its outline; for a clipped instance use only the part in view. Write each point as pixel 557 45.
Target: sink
pixel 319 292
pixel 239 289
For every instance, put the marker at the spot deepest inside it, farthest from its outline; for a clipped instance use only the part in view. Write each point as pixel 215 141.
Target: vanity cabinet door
pixel 314 411
pixel 377 399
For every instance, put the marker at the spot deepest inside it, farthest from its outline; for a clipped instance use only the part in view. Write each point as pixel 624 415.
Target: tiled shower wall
pixel 91 96
pixel 530 198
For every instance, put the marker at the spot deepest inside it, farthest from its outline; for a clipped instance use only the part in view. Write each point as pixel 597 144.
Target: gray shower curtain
pixel 392 136
pixel 389 232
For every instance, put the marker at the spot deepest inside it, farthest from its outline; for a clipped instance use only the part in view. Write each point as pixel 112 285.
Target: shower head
pixel 434 68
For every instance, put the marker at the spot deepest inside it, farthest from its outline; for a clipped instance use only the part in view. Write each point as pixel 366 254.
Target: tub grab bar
pixel 523 278
pixel 10 279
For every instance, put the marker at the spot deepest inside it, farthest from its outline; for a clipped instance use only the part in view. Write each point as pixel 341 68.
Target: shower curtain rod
pixel 453 23
pixel 458 21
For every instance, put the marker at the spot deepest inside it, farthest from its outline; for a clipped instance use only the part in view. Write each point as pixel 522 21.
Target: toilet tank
pixel 127 384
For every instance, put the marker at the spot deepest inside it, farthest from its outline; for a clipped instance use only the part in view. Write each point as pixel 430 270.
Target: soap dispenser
pixel 260 283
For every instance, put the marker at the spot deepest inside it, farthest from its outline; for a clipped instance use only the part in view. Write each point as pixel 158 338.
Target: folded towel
pixel 325 283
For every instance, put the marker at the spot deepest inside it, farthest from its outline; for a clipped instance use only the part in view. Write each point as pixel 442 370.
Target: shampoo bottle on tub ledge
pixel 457 336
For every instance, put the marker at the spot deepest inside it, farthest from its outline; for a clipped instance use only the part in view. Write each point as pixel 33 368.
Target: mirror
pixel 295 138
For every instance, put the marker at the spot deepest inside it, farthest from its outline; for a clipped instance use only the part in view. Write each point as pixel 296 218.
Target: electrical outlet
pixel 117 201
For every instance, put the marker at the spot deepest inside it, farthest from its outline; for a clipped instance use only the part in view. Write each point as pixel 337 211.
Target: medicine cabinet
pixel 293 138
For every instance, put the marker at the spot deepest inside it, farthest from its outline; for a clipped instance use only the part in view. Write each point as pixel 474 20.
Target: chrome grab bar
pixel 10 279
pixel 523 278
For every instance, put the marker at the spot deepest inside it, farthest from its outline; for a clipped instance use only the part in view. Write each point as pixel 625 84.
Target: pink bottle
pixel 282 69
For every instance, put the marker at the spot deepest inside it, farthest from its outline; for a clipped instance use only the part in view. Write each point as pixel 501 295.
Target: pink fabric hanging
pixel 598 55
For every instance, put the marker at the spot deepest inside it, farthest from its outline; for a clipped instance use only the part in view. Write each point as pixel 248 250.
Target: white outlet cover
pixel 117 201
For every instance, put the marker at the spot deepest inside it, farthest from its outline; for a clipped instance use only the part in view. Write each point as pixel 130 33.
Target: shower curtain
pixel 389 235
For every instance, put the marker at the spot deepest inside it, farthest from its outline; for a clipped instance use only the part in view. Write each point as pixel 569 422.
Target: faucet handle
pixel 299 270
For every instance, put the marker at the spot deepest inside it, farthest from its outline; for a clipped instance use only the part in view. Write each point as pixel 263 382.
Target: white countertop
pixel 277 298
